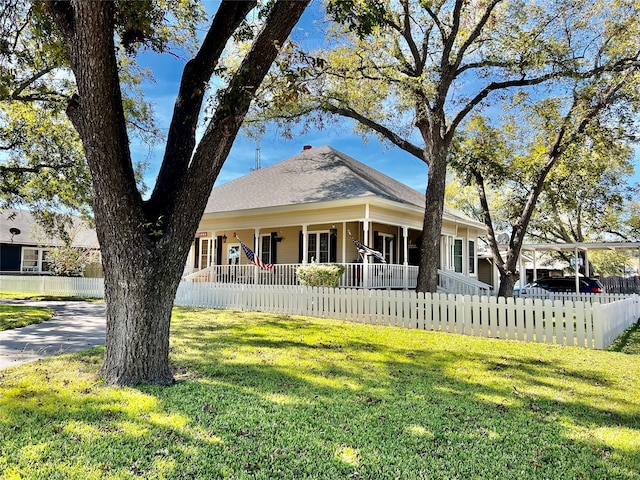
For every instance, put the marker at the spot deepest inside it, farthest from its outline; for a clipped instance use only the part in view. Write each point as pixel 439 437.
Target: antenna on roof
pixel 257 165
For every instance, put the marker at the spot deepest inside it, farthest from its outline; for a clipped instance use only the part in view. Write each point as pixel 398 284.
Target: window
pixel 35 260
pixel 472 257
pixel 387 247
pixel 318 247
pixel 457 255
pixel 265 248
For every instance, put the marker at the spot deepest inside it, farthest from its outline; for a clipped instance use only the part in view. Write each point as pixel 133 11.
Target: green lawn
pixel 628 342
pixel 15 316
pixel 267 396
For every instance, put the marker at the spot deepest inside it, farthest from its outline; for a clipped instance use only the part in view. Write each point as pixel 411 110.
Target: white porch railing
pixel 356 275
pixel 452 282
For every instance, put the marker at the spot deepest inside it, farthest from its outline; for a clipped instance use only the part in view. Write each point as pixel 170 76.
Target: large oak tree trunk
pixel 144 244
pixel 139 295
pixel 432 222
pixel 508 281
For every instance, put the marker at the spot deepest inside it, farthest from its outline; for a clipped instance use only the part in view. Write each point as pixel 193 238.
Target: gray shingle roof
pixel 314 175
pixel 24 221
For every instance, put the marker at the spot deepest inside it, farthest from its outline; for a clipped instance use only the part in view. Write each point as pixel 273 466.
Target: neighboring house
pixel 302 210
pixel 24 246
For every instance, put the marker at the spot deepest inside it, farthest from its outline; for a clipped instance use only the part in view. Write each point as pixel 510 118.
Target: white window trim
pixel 228 251
pixel 210 254
pixel 475 257
pixel 462 254
pixel 384 252
pixel 315 255
pixel 39 261
pixel 261 253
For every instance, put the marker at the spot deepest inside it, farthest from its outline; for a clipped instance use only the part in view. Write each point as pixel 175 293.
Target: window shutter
pixel 196 251
pixel 300 245
pixel 377 242
pixel 274 247
pixel 219 250
pixel 333 247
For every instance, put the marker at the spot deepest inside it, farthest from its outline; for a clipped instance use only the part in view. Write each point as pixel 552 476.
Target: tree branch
pixel 197 72
pixel 29 81
pixel 233 105
pixel 35 168
pixel 408 37
pixel 381 129
pixel 475 33
pixel 493 86
pixel 486 219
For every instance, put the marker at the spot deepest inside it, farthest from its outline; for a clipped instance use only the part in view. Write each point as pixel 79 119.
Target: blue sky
pixel 385 158
pixel 389 160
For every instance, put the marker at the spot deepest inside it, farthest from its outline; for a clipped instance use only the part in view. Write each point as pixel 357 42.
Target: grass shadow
pixel 264 396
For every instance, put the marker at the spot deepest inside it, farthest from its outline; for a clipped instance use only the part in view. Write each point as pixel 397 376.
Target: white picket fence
pixel 51 285
pixel 588 323
pixel 592 322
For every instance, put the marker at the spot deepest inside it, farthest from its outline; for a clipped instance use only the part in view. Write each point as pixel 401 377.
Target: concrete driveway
pixel 75 326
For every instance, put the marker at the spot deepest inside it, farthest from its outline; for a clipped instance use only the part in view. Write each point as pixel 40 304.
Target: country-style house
pixel 308 208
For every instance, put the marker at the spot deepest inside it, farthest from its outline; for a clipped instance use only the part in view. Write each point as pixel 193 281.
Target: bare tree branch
pixel 381 129
pixel 181 137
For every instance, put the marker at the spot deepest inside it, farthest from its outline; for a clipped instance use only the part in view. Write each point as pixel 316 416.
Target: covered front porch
pixel 217 255
pixel 356 275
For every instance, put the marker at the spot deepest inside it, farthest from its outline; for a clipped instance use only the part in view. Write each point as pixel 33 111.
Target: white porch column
pixel 576 269
pixel 304 244
pixel 344 242
pixel 587 270
pixel 535 266
pixel 522 277
pixel 445 257
pixel 256 249
pixel 405 249
pixel 405 245
pixel 365 258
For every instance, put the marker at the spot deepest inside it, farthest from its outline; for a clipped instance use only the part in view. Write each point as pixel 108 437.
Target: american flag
pixel 255 259
pixel 364 250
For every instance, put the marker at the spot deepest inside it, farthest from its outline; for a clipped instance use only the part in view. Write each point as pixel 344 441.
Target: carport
pixel 576 248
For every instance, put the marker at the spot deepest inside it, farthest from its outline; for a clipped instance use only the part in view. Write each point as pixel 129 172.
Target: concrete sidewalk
pixel 75 326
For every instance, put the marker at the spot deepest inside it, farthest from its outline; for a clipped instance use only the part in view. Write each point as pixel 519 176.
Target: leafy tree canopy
pixel 42 165
pixel 412 72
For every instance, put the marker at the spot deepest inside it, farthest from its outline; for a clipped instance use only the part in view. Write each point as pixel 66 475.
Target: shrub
pixel 320 275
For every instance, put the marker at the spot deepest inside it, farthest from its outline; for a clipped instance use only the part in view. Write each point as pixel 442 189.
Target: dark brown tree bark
pixel 432 221
pixel 144 245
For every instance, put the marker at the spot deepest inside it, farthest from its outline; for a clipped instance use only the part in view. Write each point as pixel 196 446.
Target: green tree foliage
pixel 411 73
pixel 69 261
pixel 42 165
pixel 564 157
